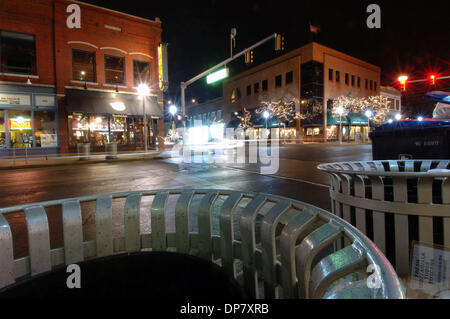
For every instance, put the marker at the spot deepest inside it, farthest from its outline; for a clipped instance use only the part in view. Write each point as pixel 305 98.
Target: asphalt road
pixel 297 179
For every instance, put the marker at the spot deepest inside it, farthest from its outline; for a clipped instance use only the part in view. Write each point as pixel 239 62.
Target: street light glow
pixel 340 110
pixel 143 89
pixel 420 118
pixel 398 117
pixel 390 121
pixel 402 79
pixel 172 109
pixel 266 114
pixel 369 113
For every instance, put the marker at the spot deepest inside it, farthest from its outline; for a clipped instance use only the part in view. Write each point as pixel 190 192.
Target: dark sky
pixel 413 39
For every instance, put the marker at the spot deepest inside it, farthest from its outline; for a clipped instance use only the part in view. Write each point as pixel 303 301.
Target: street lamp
pixel 369 114
pixel 172 109
pixel 266 115
pixel 144 91
pixel 398 117
pixel 341 112
pixel 420 118
pixel 83 74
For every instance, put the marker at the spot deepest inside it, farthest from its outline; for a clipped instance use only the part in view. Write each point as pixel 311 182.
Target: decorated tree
pixel 245 121
pixel 379 105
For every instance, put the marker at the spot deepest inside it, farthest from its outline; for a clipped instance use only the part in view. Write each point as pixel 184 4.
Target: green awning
pixel 357 119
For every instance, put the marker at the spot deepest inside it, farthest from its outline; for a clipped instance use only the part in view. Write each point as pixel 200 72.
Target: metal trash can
pixel 84 149
pixel 144 275
pixel 411 140
pixel 111 150
pixel 394 203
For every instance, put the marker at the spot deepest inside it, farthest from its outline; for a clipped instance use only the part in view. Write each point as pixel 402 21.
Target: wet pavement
pixel 297 179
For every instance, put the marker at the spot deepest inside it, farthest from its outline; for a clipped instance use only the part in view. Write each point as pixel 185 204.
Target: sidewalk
pixel 71 159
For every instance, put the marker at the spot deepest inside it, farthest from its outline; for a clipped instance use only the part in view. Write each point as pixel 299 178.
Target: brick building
pixel 69 75
pixel 310 73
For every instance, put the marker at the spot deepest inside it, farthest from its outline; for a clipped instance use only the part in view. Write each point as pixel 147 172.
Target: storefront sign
pixel 74 19
pixel 49 140
pixel 162 67
pixel 44 100
pixel 15 99
pixel 20 123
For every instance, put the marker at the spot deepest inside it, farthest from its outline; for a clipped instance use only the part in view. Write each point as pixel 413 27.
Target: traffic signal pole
pixel 184 85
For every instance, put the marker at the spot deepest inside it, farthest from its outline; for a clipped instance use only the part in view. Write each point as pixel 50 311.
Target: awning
pixel 94 102
pixel 357 119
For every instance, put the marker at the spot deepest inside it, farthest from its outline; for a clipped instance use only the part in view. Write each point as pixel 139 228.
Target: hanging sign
pixel 15 99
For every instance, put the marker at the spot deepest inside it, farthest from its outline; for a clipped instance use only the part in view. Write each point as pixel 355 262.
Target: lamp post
pixel 340 111
pixel 173 111
pixel 83 74
pixel 144 91
pixel 369 114
pixel 266 115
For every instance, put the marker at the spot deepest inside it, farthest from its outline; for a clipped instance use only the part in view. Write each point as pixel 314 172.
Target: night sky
pixel 413 39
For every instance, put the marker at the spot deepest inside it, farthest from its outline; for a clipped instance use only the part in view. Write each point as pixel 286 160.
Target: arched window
pixel 235 95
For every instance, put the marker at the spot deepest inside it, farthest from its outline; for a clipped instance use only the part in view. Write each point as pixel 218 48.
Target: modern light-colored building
pixel 394 97
pixel 310 73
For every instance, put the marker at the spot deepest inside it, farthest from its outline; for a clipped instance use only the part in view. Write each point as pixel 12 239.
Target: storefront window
pixel 118 127
pixel 98 126
pixel 45 129
pixel 2 130
pixel 20 129
pixel 78 129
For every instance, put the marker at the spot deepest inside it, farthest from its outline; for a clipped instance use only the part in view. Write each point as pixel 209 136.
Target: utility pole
pixel 184 85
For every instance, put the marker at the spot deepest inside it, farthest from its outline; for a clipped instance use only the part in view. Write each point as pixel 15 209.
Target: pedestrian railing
pixel 394 202
pixel 274 246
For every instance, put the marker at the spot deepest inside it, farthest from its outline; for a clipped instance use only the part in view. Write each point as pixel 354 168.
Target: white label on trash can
pixel 430 271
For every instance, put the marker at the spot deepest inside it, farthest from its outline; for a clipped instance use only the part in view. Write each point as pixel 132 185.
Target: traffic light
pixel 402 79
pixel 279 42
pixel 433 79
pixel 249 57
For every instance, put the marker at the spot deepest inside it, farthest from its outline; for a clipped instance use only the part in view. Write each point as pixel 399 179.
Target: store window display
pixel 20 129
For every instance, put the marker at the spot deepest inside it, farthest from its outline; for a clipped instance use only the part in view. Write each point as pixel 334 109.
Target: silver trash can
pixel 84 149
pixel 111 150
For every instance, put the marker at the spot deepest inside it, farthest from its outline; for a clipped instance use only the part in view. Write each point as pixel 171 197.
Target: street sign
pixel 217 76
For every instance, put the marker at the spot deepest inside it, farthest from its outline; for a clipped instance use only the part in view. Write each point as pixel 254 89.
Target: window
pixel 371 84
pixel 83 65
pixel 249 90
pixel 375 85
pixel 330 74
pixel 141 73
pixel 353 80
pixel 338 76
pixel 17 53
pixel 20 129
pixel 312 78
pixel 367 84
pixel 289 77
pixel 256 88
pixel 278 81
pixel 397 105
pixel 114 69
pixel 45 129
pixel 235 95
pixel 219 115
pixel 346 78
pixel 2 130
pixel 359 81
pixel 264 85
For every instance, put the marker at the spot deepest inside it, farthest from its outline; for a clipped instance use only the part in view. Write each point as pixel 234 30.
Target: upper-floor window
pixel 338 76
pixel 256 87
pixel 353 80
pixel 235 95
pixel 17 53
pixel 346 78
pixel 397 105
pixel 375 85
pixel 278 81
pixel 289 77
pixel 330 74
pixel 141 73
pixel 359 81
pixel 114 69
pixel 367 84
pixel 83 65
pixel 371 84
pixel 265 85
pixel 249 90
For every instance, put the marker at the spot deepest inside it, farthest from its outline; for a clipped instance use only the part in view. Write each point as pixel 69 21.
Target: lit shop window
pixel 83 65
pixel 17 53
pixel 45 129
pixel 2 130
pixel 98 127
pixel 78 129
pixel 118 127
pixel 20 129
pixel 141 73
pixel 114 70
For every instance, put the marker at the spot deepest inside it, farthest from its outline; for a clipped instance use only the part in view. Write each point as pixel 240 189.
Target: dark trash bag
pixel 146 275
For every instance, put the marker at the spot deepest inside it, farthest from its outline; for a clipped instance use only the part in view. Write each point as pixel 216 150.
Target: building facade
pixel 310 74
pixel 394 98
pixel 69 75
